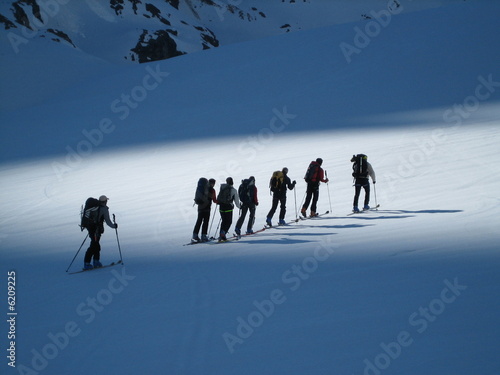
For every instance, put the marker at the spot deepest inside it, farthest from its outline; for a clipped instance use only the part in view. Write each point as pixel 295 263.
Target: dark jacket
pixel 287 184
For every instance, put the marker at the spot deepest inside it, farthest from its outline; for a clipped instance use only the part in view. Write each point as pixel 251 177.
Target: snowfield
pixel 412 288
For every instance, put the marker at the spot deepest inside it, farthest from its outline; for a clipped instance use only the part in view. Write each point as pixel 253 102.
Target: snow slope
pixel 410 289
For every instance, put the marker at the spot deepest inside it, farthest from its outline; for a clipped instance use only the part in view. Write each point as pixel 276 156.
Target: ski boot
pixel 269 222
pixel 97 264
pixel 87 266
pixel 204 238
pixel 282 222
pixel 366 207
pixel 195 238
pixel 222 236
pixel 355 209
pixel 314 214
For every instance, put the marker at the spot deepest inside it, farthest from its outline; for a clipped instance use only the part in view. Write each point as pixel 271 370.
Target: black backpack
pixel 90 214
pixel 245 191
pixel 201 195
pixel 224 196
pixel 360 166
pixel 312 171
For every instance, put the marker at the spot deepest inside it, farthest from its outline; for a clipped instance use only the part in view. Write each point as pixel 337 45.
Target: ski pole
pixel 295 197
pixel 117 240
pixel 304 197
pixel 375 193
pixel 218 225
pixel 212 221
pixel 77 252
pixel 328 188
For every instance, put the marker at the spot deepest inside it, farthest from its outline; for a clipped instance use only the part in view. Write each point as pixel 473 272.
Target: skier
pixel 95 232
pixel 314 175
pixel 279 185
pixel 247 193
pixel 361 170
pixel 204 201
pixel 227 196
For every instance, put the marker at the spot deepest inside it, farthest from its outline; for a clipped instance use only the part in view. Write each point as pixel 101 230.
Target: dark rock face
pixel 167 28
pixel 159 47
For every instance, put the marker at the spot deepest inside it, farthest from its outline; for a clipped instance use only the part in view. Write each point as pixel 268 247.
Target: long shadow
pixel 307 234
pixel 366 217
pixel 421 211
pixel 346 226
pixel 275 241
pixel 398 214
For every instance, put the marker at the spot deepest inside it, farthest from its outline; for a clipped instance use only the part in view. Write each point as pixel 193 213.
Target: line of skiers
pixel 245 198
pixel 96 212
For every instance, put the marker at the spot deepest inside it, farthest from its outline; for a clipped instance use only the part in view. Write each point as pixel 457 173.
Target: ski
pixel 199 242
pixel 229 239
pixel 267 226
pixel 360 212
pixel 98 268
pixel 237 237
pixel 313 217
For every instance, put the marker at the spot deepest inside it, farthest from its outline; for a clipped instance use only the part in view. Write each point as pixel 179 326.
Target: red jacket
pixel 319 175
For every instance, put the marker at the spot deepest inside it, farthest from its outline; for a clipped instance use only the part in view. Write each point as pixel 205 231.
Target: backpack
pixel 90 213
pixel 312 172
pixel 276 181
pixel 245 191
pixel 224 196
pixel 360 166
pixel 201 194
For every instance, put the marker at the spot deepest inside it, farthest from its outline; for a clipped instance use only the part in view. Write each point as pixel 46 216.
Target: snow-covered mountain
pixel 412 288
pixel 154 30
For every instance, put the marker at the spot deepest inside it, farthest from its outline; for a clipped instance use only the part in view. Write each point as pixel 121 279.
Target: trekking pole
pixel 117 240
pixel 212 221
pixel 303 198
pixel 328 188
pixel 218 225
pixel 77 252
pixel 295 197
pixel 375 192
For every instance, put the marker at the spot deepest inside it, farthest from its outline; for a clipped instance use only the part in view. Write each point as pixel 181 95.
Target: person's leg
pixel 205 219
pixel 241 219
pixel 315 199
pixel 282 207
pixel 357 191
pixel 94 250
pixel 251 218
pixel 367 195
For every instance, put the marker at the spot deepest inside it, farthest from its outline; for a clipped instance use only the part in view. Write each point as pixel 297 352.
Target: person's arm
pixel 321 175
pixel 371 173
pixel 106 217
pixel 236 198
